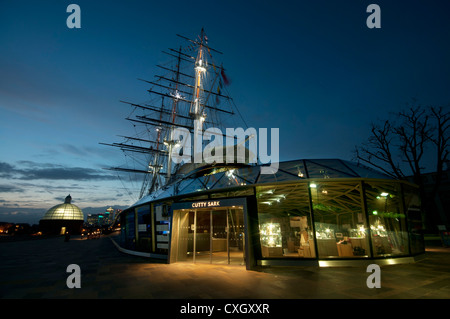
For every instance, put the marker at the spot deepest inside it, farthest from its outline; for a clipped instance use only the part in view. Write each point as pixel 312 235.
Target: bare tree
pixel 440 138
pixel 398 146
pixel 412 134
pixel 377 151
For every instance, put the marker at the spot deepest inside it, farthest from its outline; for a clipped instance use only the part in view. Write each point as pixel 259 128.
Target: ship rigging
pixel 191 89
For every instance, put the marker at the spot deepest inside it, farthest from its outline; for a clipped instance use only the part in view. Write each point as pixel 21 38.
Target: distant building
pixel 109 215
pixel 6 228
pixel 102 219
pixel 61 218
pixel 91 220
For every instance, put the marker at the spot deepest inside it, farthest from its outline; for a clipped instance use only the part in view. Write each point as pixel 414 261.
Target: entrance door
pixel 202 236
pixel 236 235
pixel 219 236
pixel 208 236
pixel 182 242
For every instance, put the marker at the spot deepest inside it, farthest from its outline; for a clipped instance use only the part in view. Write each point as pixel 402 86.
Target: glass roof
pixel 295 170
pixel 64 212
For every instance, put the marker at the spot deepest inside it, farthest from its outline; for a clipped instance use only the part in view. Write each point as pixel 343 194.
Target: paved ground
pixel 36 269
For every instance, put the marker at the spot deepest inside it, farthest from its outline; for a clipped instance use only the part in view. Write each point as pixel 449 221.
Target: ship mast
pixel 195 111
pixel 170 142
pixel 189 102
pixel 154 167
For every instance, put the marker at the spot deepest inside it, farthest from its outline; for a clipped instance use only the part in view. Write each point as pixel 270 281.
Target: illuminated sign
pixel 210 203
pixel 206 204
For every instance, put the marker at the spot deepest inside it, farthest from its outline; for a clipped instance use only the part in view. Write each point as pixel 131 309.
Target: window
pixel 144 228
pixel 415 219
pixel 128 234
pixel 340 222
pixel 387 219
pixel 285 221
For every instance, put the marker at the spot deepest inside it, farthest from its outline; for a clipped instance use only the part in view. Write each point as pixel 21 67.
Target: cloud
pixel 72 173
pixel 49 171
pixel 74 150
pixel 87 151
pixel 5 170
pixel 9 189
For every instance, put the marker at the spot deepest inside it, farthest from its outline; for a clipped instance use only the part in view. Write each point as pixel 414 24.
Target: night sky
pixel 313 69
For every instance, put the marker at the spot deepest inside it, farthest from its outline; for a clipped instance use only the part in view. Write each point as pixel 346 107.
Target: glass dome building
pixel 63 217
pixel 321 212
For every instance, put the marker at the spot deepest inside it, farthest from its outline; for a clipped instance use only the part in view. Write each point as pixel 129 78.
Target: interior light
pixel 230 173
pixel 384 194
pixel 375 212
pixel 313 185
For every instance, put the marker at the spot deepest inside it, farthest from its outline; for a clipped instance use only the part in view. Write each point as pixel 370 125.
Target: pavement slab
pixel 36 269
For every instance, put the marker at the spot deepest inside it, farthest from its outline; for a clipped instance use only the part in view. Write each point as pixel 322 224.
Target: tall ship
pixel 206 196
pixel 189 96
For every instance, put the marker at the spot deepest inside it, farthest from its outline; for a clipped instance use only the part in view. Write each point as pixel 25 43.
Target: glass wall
pixel 387 219
pixel 128 230
pixel 328 218
pixel 414 218
pixel 144 229
pixel 285 221
pixel 339 220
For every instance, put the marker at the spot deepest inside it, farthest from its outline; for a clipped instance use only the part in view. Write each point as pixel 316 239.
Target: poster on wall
pixel 161 213
pixel 162 226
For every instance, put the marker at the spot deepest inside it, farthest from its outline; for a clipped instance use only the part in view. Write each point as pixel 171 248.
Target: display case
pixel 323 231
pixel 271 234
pixel 358 232
pixel 378 230
pixel 306 248
pixel 271 241
pixel 380 239
pixel 359 241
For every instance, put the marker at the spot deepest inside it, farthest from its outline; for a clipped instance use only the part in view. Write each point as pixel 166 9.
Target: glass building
pixel 310 212
pixel 63 217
